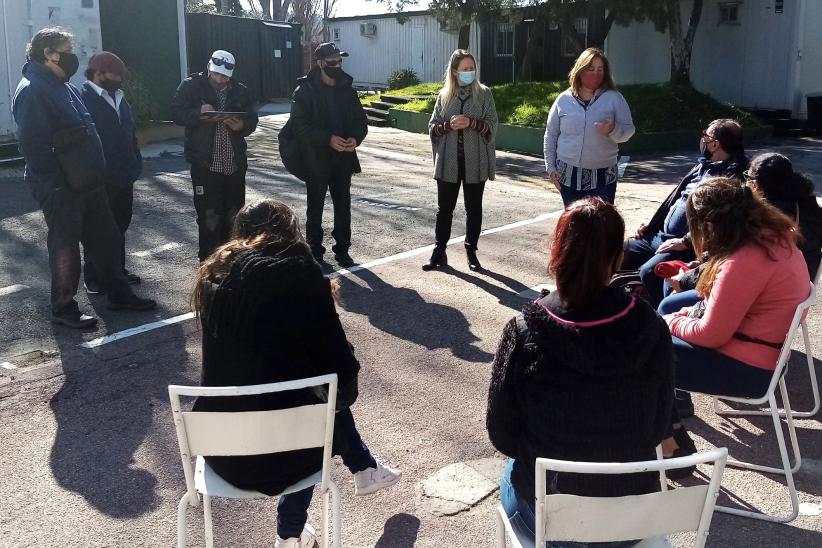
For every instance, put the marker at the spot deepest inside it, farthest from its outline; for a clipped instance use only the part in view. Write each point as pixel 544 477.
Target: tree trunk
pixel 536 30
pixel 598 39
pixel 465 37
pixel 682 46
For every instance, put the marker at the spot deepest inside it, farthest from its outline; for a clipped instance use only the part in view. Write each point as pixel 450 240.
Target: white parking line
pixel 7 365
pixel 12 289
pixel 158 249
pixel 534 292
pixel 399 256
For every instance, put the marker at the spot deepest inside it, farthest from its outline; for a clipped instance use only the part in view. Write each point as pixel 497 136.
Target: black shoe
pixel 133 279
pixel 93 287
pixel 473 262
pixel 73 318
pixel 132 303
pixel 686 447
pixel 684 404
pixel 438 259
pixel 318 252
pixel 343 259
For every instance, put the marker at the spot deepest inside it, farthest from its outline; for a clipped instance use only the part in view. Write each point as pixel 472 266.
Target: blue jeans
pixel 641 255
pixel 521 514
pixel 292 510
pixel 571 195
pixel 677 301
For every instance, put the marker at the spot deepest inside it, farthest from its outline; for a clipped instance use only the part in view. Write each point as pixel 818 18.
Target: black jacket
pixel 304 140
pixel 600 394
pixel 191 95
pixel 273 319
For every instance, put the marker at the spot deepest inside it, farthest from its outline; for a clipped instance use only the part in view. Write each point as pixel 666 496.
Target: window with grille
pixel 729 13
pixel 779 6
pixel 504 40
pixel 569 47
pixel 336 35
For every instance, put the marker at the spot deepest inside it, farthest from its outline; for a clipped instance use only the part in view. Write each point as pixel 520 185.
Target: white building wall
pixel 20 20
pixel 638 54
pixel 373 58
pixel 810 67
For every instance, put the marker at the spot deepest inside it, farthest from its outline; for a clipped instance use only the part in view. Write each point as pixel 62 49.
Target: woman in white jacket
pixel 585 125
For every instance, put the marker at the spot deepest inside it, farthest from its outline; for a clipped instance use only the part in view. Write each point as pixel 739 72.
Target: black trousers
pixel 82 217
pixel 217 199
pixel 447 194
pixel 121 203
pixel 339 185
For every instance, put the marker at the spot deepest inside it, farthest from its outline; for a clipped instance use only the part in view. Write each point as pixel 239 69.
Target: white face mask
pixel 467 77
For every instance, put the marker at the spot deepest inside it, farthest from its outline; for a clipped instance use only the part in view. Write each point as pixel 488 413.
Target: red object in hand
pixel 668 269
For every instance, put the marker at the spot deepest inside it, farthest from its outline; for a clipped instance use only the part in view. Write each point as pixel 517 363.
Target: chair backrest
pixel 563 517
pixel 208 433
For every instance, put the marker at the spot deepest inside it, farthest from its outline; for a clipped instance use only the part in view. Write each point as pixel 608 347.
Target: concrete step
pixel 382 105
pixel 376 113
pixel 394 99
pixel 377 122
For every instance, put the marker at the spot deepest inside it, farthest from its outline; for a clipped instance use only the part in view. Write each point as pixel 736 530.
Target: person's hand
pixel 351 144
pixel 207 108
pixel 676 281
pixel 458 121
pixel 234 124
pixel 554 178
pixel 640 232
pixel 605 128
pixel 338 143
pixel 694 264
pixel 674 244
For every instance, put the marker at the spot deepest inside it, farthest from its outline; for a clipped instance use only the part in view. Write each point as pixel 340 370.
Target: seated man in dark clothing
pixel 665 237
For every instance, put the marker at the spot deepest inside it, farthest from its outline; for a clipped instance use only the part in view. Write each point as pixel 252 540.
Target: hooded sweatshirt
pixel 590 384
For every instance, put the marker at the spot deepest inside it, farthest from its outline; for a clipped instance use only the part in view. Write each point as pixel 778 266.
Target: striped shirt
pixel 222 159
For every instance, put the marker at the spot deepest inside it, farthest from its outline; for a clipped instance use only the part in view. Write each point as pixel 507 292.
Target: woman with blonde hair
pixel 585 125
pixel 462 130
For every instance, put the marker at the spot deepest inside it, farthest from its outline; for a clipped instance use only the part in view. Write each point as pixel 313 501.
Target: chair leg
pixel 326 524
pixel 336 520
pixel 500 529
pixel 209 531
pixel 182 507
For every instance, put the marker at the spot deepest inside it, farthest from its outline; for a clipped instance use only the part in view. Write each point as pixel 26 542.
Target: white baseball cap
pixel 221 62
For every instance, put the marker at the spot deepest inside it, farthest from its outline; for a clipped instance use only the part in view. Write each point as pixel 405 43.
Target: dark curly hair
pixel 47 38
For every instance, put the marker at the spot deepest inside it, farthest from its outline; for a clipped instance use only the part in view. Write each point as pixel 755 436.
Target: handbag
pixel 71 147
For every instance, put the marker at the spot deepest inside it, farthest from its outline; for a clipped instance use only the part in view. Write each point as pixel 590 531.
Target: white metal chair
pixel 253 433
pixel 601 519
pixel 774 411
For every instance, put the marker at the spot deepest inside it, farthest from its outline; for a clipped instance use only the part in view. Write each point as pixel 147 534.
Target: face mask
pixel 703 149
pixel 217 85
pixel 333 72
pixel 467 77
pixel 592 80
pixel 111 86
pixel 68 63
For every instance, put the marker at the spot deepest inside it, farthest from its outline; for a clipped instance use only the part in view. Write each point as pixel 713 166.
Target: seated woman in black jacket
pixel 268 315
pixel 583 374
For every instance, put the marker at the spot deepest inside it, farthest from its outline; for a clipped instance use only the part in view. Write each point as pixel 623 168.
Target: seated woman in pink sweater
pixel 729 343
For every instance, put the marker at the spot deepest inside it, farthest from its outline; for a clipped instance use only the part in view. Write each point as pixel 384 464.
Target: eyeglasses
pixel 222 63
pixel 336 63
pixel 709 138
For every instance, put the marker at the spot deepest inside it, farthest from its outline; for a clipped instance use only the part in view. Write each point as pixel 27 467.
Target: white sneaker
pixel 308 539
pixel 372 480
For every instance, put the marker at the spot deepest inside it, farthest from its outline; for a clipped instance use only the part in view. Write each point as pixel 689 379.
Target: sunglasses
pixel 222 63
pixel 336 63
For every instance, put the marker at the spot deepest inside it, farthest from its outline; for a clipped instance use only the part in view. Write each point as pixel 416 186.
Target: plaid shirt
pixel 222 160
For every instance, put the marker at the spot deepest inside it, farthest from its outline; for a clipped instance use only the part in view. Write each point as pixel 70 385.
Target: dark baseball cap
pixel 328 49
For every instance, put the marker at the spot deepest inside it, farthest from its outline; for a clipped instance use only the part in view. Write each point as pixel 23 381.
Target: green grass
pixel 654 107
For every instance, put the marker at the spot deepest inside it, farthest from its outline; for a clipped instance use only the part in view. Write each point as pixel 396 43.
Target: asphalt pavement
pixel 89 456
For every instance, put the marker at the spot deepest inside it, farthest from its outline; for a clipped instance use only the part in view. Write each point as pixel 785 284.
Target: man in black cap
pixel 318 145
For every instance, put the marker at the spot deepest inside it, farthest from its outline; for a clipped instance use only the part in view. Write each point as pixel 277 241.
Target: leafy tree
pixel 200 6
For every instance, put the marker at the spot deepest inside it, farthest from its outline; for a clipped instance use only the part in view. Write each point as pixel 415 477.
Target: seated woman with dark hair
pixel 584 373
pixel 268 315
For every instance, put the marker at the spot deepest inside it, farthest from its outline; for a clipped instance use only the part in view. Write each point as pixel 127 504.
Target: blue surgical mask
pixel 467 77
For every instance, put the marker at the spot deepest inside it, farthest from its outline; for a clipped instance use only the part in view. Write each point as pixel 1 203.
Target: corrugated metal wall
pixel 418 43
pixel 268 54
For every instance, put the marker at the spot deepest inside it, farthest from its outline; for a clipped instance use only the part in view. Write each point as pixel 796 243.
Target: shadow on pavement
pixel 104 411
pixel 507 297
pixel 400 531
pixel 403 313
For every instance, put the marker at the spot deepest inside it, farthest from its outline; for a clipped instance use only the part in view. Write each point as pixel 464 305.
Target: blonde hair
pixel 581 65
pixel 452 85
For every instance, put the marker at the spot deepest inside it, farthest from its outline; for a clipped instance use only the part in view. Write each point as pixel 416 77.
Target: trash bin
pixel 815 111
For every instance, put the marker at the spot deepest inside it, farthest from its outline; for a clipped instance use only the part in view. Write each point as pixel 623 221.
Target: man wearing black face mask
pixel 318 145
pixel 65 170
pixel 111 112
pixel 665 237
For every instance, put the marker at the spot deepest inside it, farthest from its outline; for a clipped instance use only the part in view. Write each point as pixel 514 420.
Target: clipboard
pixel 219 116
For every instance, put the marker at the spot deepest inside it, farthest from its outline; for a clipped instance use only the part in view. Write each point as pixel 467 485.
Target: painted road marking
pixel 136 330
pixel 7 365
pixel 622 163
pixel 16 288
pixel 158 249
pixel 385 205
pixel 534 292
pixel 399 256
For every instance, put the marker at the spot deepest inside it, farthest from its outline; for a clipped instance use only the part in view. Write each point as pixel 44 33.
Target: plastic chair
pixel 775 412
pixel 252 433
pixel 602 519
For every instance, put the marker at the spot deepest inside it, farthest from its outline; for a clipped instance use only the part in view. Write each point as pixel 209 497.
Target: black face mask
pixel 333 72
pixel 68 63
pixel 111 86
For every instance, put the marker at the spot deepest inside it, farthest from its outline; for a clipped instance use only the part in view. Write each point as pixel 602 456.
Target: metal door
pixel 418 47
pixel 768 59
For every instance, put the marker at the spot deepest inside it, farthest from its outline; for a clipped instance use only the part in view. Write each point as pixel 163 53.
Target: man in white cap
pixel 215 145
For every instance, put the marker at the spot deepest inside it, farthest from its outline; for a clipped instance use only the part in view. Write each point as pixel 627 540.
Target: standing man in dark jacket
pixel 111 112
pixel 318 145
pixel 216 150
pixel 49 112
pixel 666 236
